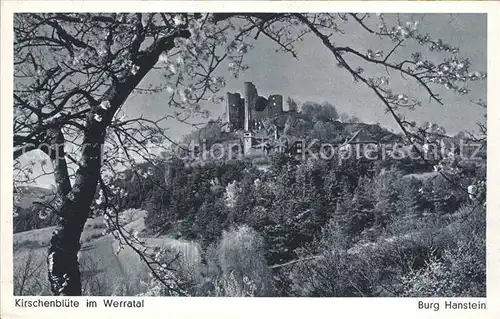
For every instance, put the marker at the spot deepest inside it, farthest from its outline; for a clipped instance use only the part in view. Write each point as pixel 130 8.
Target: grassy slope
pixel 116 272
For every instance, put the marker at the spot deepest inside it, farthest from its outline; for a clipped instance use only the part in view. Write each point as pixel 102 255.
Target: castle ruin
pixel 252 114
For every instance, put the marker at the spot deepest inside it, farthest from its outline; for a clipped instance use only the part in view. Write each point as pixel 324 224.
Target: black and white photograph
pixel 249 154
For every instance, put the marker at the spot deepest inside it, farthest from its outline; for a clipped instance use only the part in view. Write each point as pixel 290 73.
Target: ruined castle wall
pixel 268 108
pixel 275 102
pixel 252 108
pixel 235 111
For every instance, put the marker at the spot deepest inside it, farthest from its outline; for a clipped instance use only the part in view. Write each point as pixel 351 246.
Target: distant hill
pixel 27 210
pixel 30 194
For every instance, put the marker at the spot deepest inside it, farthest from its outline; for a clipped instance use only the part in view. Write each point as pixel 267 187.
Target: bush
pixel 27 279
pixel 235 267
pixel 34 217
pixel 461 272
pixel 244 269
pixel 334 272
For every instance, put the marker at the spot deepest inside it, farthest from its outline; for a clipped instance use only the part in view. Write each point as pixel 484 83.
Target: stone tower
pixel 248 134
pixel 234 111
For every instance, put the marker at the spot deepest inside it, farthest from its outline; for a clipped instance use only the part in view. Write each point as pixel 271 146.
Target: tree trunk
pixel 63 267
pixel 62 259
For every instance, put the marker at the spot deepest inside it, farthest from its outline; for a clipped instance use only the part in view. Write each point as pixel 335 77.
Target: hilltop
pixel 279 132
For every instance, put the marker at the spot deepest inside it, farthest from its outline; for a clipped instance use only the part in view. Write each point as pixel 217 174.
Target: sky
pixel 314 76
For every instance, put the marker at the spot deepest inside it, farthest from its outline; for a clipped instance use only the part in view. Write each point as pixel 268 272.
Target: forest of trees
pixel 356 227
